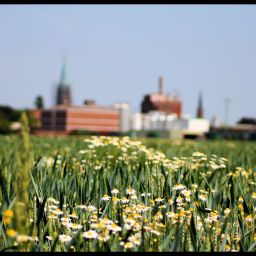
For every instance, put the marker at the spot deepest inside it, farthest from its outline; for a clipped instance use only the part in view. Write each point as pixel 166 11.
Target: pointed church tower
pixel 200 112
pixel 63 90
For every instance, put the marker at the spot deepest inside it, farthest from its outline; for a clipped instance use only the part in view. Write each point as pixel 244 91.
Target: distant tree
pixel 39 102
pixel 7 116
pixel 12 115
pixel 4 124
pixel 247 120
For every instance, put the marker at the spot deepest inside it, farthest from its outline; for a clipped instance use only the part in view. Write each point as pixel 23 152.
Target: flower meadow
pixel 121 194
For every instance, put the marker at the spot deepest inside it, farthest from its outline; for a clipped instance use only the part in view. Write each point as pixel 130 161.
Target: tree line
pixel 9 115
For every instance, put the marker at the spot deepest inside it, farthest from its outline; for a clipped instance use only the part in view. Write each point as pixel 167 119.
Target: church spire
pixel 63 96
pixel 200 112
pixel 63 78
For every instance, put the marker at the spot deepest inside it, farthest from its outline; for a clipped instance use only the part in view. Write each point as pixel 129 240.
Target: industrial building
pixel 164 120
pixel 169 104
pixel 124 110
pixel 164 125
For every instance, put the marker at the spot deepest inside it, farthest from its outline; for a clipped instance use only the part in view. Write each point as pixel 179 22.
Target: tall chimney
pixel 160 85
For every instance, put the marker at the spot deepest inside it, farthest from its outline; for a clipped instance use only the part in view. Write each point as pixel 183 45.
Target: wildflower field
pixel 121 194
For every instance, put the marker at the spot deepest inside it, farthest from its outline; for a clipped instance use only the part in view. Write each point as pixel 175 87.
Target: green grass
pixel 184 195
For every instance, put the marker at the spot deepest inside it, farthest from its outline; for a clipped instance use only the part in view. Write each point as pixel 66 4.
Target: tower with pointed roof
pixel 200 112
pixel 63 90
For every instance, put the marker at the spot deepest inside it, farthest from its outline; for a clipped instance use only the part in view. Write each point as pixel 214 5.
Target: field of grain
pixel 122 194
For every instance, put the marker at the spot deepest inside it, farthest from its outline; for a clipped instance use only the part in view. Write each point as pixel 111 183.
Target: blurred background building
pixel 85 118
pixel 124 110
pixel 65 118
pixel 63 96
pixel 169 104
pixel 161 115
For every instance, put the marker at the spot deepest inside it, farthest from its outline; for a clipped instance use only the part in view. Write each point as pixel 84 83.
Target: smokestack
pixel 160 85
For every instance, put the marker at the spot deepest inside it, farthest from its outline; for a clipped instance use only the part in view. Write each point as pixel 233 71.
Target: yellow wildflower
pixel 227 211
pixel 8 213
pixel 115 199
pixel 151 202
pixel 227 248
pixel 11 233
pixel 240 207
pixel 7 216
pixel 240 199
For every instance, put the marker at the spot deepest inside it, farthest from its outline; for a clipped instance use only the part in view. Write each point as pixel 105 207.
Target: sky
pixel 116 53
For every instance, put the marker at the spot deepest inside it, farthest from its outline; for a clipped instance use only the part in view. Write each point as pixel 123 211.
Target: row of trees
pixel 9 115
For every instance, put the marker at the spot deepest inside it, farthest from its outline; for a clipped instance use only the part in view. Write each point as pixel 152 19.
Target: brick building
pixel 84 118
pixel 161 102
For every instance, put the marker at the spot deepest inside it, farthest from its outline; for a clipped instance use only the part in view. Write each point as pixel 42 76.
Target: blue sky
pixel 116 53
